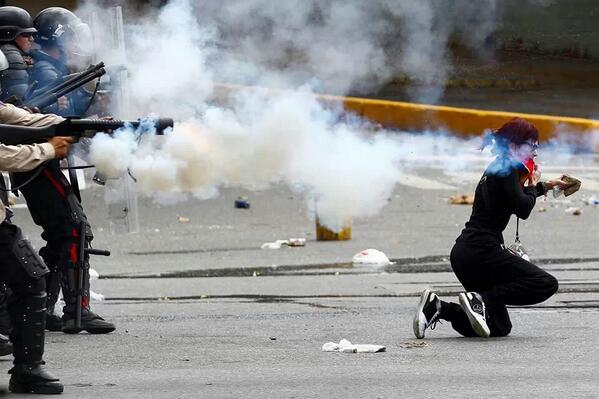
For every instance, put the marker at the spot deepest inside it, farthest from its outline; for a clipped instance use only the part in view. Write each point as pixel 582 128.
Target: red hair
pixel 518 131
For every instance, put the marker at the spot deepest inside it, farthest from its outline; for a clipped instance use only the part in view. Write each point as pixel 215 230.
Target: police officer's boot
pixel 28 374
pixel 90 322
pixel 33 379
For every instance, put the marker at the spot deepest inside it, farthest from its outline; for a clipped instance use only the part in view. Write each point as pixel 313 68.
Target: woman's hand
pixel 550 184
pixel 534 177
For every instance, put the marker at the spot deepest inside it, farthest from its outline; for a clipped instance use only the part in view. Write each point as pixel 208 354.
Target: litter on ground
pixel 371 257
pixel 347 347
pixel 463 199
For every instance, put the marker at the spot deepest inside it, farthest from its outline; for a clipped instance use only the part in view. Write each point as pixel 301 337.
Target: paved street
pixel 203 312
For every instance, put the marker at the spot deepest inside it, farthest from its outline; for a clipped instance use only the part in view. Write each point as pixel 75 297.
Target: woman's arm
pixel 520 200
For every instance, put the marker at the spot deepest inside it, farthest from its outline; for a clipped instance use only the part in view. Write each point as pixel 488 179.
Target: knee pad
pixel 29 260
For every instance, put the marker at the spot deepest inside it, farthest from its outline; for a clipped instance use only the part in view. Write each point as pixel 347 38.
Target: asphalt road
pixel 203 312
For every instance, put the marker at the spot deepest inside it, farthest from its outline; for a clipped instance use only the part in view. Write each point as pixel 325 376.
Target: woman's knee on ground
pixel 502 330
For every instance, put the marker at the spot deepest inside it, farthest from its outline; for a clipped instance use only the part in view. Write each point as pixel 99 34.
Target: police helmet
pixel 55 24
pixel 14 21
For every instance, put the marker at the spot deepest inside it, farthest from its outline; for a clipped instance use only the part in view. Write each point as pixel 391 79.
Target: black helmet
pixel 54 23
pixel 14 21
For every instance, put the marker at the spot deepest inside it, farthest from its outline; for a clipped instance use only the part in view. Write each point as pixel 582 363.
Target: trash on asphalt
pixel 371 257
pixel 275 244
pixel 463 199
pixel 542 210
pixel 572 185
pixel 574 211
pixel 292 242
pixel 242 203
pixel 347 347
pixel 96 297
pixel 93 274
pixel 413 344
pixel 183 219
pixel 296 242
pixel 593 201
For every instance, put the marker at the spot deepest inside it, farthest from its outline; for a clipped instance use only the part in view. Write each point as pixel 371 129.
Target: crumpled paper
pixel 347 347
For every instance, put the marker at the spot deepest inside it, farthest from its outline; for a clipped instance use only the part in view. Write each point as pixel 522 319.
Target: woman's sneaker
pixel 474 307
pixel 427 314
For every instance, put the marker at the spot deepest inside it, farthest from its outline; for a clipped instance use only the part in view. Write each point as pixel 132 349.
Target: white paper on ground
pixel 275 245
pixel 371 257
pixel 93 274
pixel 347 347
pixel 96 297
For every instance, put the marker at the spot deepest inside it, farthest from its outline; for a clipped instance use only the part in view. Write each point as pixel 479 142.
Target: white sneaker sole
pixel 478 323
pixel 419 323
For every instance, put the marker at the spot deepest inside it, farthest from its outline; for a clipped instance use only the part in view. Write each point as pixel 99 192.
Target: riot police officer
pixel 16 40
pixel 54 206
pixel 62 37
pixel 23 271
pixel 21 268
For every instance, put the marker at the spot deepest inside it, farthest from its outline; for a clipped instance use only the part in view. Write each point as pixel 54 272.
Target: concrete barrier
pixel 459 121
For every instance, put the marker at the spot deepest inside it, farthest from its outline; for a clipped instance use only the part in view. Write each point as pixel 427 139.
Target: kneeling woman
pixel 492 275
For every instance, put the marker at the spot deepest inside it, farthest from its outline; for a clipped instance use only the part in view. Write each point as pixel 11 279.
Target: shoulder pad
pixel 13 56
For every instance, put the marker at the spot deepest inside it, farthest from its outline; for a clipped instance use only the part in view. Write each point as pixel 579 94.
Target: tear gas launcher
pixel 13 135
pixel 49 94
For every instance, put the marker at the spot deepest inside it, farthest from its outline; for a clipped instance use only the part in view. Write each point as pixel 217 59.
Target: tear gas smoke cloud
pixel 343 45
pixel 176 53
pixel 292 140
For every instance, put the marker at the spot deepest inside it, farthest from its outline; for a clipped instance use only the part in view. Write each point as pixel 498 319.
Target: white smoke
pixel 258 139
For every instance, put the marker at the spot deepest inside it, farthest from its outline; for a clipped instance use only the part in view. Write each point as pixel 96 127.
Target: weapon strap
pixel 14 189
pixel 3 190
pixel 93 96
pixel 73 177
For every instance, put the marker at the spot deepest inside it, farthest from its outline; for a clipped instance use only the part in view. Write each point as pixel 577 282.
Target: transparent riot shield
pixel 109 41
pixel 122 199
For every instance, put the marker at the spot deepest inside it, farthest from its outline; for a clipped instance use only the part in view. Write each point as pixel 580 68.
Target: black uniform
pixel 55 208
pixel 482 263
pixel 23 271
pixel 15 80
pixel 47 70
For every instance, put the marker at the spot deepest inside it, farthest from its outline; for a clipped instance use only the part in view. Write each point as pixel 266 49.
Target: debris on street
pixel 96 297
pixel 463 199
pixel 242 203
pixel 347 347
pixel 183 219
pixel 296 242
pixel 574 211
pixel 371 257
pixel 593 201
pixel 413 344
pixel 292 242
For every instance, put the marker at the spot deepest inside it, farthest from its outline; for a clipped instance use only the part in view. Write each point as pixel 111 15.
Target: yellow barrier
pixel 460 121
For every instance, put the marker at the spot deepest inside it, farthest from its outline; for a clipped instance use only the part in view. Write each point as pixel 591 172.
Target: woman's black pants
pixel 501 278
